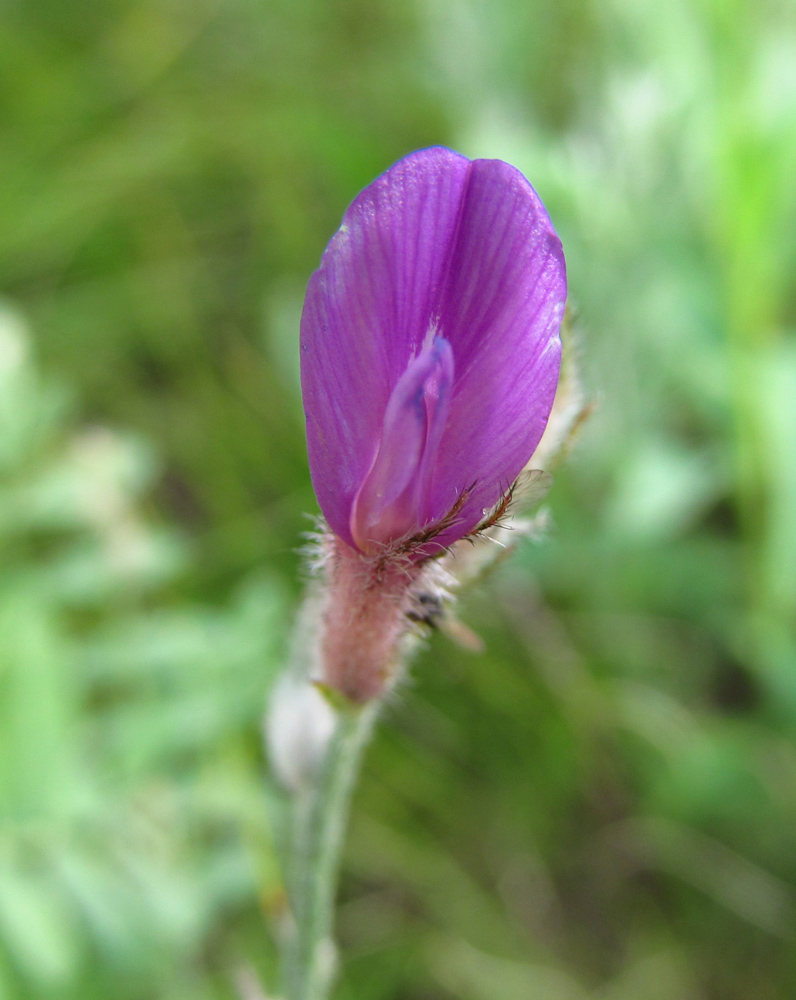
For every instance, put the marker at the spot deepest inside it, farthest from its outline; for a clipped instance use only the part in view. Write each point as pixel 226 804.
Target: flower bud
pixel 298 726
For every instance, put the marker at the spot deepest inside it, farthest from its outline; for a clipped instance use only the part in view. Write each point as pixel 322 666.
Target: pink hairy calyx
pixel 365 620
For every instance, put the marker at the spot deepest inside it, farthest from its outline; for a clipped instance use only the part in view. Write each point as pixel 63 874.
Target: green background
pixel 602 806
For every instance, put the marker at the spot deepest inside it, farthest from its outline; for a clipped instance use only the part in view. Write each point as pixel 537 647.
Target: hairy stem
pixel 321 814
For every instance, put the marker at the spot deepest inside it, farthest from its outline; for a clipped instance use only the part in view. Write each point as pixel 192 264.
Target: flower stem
pixel 321 815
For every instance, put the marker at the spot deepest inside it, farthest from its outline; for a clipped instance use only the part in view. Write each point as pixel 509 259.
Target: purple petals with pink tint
pixel 430 348
pixel 367 313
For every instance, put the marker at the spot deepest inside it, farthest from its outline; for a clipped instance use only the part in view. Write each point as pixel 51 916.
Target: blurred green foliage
pixel 603 805
pixel 132 812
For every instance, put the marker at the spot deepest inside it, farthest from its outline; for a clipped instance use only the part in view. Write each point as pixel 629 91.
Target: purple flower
pixel 430 349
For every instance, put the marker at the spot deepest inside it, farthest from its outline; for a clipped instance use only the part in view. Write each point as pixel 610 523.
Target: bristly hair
pixel 317 548
pixel 527 490
pixel 499 516
pixel 414 544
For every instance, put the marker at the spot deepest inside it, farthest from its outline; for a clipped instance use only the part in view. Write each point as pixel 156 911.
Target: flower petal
pixel 391 501
pixel 368 309
pixel 500 308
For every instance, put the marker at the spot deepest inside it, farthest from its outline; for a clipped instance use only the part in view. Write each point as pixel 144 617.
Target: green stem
pixel 320 821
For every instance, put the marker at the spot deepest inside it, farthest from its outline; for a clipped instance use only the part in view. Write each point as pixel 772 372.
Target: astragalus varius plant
pixel 430 359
